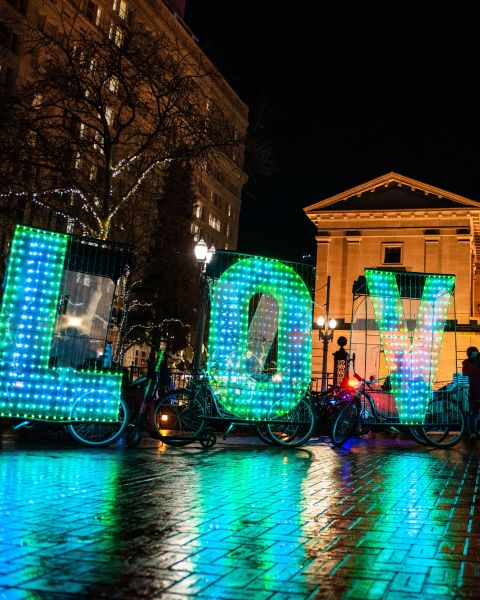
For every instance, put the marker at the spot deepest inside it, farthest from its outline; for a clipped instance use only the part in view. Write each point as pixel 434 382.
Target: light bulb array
pixel 29 389
pixel 285 306
pixel 411 363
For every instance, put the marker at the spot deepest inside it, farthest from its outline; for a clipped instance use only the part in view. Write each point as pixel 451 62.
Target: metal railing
pixel 179 379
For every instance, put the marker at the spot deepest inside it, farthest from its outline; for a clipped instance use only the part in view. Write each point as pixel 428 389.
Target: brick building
pixel 218 181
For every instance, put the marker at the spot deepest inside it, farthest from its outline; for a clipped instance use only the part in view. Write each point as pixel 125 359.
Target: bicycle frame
pixel 206 394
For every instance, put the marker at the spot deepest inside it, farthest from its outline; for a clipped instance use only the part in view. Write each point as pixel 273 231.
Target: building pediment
pixel 392 192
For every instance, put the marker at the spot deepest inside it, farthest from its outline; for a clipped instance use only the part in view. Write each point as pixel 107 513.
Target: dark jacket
pixel 471 368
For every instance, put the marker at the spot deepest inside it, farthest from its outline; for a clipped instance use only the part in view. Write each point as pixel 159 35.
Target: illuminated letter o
pixel 239 392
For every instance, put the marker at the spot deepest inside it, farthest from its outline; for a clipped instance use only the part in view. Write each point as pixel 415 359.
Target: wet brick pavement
pixel 381 518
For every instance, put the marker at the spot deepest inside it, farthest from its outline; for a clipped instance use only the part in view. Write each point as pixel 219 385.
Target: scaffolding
pixel 55 350
pixel 399 320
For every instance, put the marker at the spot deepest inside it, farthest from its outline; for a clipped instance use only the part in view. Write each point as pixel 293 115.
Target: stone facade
pixel 395 222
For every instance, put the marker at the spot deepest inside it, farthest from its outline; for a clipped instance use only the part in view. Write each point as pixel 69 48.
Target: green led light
pixel 411 363
pixel 237 347
pixel 29 307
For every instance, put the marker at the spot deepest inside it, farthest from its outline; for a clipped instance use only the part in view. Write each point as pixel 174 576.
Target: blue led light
pixel 411 362
pixel 237 350
pixel 28 387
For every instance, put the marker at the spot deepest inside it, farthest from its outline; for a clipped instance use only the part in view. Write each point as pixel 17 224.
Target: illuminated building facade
pixel 398 224
pixel 218 181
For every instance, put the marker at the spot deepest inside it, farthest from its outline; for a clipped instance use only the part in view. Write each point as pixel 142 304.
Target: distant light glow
pixel 71 321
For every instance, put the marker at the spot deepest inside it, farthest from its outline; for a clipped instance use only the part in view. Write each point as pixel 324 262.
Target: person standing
pixel 471 368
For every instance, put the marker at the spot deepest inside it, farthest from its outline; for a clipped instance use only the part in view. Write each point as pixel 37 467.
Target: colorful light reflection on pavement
pixel 382 518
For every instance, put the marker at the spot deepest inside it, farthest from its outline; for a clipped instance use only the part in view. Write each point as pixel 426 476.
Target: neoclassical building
pixel 400 224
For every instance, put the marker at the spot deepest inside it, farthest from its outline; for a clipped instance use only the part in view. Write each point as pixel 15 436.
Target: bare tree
pixel 102 116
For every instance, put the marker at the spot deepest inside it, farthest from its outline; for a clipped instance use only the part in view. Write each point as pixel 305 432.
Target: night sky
pixel 347 94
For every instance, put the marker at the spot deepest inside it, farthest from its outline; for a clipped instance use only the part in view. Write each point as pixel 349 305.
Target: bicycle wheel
pixel 418 436
pixel 91 433
pixel 294 428
pixel 133 436
pixel 444 424
pixel 365 415
pixel 208 438
pixel 262 434
pixel 345 423
pixel 179 414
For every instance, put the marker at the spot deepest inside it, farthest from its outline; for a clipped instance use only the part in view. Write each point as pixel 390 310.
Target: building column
pixel 353 268
pixel 432 254
pixel 463 280
pixel 322 270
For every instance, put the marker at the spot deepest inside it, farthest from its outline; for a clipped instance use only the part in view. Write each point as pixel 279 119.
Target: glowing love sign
pixel 29 387
pixel 411 363
pixel 239 342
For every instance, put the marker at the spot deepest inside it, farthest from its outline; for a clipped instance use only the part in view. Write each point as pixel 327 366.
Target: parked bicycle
pixel 443 426
pixel 87 433
pixel 198 407
pixel 328 403
pixel 153 412
pixel 98 433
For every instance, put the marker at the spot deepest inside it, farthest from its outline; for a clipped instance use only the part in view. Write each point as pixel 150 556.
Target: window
pixel 19 5
pixel 91 11
pixel 227 233
pixel 109 115
pixel 113 84
pixel 8 39
pixel 98 143
pixel 116 34
pixel 198 211
pixel 214 222
pixel 121 8
pixel 392 255
pixel 215 199
pixel 37 101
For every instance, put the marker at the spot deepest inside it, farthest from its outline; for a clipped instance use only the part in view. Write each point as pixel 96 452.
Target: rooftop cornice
pixel 399 212
pixel 385 181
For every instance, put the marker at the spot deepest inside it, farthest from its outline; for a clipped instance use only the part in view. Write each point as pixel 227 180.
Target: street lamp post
pixel 326 328
pixel 203 255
